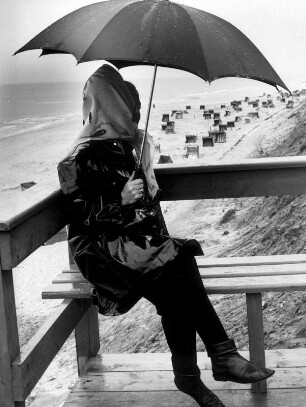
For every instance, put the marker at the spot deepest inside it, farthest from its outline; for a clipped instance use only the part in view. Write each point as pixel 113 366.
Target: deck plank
pixel 121 362
pixel 146 380
pixel 232 398
pixel 155 380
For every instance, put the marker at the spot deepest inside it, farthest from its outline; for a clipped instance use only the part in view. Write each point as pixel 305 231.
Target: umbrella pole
pixel 148 117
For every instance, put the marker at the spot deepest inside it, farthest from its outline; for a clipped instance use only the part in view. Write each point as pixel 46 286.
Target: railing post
pixel 256 336
pixel 9 339
pixel 87 338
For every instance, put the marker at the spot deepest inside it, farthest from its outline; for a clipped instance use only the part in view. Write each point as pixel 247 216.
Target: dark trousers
pixel 181 300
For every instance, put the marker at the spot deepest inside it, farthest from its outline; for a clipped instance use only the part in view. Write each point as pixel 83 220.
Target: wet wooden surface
pixel 146 380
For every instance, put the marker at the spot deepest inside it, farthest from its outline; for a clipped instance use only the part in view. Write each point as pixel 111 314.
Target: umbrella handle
pixel 148 116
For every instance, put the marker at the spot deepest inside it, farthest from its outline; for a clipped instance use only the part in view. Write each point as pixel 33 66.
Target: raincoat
pixel 120 249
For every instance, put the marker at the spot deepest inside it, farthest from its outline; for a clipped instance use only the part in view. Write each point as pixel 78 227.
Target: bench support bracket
pixel 87 338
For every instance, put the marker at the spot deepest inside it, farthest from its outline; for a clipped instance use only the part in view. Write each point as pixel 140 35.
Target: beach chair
pixel 164 159
pixel 254 115
pixel 218 136
pixel 170 127
pixel 190 138
pixel 230 125
pixel 193 150
pixel 165 117
pixel 157 148
pixel 207 141
pixel 222 127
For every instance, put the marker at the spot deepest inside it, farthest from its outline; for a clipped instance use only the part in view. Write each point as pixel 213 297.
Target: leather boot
pixel 229 365
pixel 195 388
pixel 181 337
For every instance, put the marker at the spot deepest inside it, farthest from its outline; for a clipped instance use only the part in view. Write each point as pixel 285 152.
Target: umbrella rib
pixel 186 10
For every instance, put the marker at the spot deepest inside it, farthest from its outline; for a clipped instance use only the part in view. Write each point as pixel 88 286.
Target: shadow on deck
pixel 146 380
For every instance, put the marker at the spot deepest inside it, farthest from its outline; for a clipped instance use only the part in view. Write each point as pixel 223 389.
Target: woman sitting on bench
pixel 120 243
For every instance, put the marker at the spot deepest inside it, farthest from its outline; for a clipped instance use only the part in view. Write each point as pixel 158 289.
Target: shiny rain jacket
pixel 119 249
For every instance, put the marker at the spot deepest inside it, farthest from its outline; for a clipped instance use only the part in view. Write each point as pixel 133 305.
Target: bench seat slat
pixel 203 261
pixel 68 290
pixel 208 262
pixel 213 286
pixel 214 272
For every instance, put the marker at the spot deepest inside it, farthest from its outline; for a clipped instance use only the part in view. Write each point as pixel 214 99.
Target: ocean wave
pixel 30 124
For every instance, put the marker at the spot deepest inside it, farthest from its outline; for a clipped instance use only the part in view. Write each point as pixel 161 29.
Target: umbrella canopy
pixel 156 32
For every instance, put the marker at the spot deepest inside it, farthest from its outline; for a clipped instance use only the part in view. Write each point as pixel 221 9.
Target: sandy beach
pixel 33 157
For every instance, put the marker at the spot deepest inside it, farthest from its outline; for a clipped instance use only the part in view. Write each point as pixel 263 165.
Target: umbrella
pixel 158 33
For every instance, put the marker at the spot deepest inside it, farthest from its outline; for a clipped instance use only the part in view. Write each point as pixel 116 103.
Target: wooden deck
pixel 146 380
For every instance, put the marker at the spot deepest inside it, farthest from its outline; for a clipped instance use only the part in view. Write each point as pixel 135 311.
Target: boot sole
pixel 224 379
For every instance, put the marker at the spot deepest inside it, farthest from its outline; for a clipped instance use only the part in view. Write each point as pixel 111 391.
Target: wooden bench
pixel 251 276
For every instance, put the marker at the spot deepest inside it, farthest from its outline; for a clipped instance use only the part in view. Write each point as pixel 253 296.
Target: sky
pixel 276 27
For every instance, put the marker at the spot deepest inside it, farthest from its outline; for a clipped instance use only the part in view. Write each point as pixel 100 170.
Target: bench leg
pixel 256 336
pixel 87 338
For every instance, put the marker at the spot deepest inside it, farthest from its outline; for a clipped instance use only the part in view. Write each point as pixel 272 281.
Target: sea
pixel 37 106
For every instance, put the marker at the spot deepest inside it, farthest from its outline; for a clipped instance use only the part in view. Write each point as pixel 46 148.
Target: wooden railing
pixel 28 222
